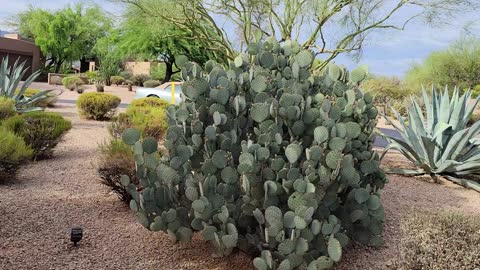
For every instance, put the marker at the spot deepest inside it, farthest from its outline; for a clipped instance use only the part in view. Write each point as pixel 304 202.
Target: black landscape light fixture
pixel 76 235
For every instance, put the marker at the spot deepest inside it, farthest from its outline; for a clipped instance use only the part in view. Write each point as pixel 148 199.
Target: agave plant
pixel 438 141
pixel 9 81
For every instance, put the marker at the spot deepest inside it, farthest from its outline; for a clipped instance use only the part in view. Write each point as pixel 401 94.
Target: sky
pixel 389 53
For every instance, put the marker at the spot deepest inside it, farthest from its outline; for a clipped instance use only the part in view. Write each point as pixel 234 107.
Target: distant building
pixel 15 47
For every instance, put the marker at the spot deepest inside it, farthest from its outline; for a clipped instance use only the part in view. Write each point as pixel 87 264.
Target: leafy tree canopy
pixel 68 34
pixel 328 27
pixel 154 38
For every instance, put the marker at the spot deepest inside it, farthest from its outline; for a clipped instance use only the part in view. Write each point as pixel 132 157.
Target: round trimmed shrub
pixel 7 108
pixel 13 153
pixel 72 82
pixel 97 106
pixel 265 157
pixel 151 83
pixel 42 131
pixel 117 80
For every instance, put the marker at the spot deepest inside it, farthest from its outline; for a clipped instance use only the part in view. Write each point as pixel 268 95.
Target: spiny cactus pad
pixel 265 157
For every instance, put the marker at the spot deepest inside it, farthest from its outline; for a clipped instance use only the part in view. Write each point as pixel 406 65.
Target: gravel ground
pixel 49 197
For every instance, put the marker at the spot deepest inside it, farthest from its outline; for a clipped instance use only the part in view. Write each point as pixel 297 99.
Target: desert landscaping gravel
pixel 50 197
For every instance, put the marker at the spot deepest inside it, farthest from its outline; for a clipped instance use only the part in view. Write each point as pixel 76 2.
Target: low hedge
pixel 7 108
pixel 97 106
pixel 42 131
pixel 13 152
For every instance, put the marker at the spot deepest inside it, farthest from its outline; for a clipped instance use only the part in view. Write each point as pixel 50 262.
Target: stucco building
pixel 15 47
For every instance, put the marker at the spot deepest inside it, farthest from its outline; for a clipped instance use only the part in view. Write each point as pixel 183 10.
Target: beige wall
pixel 137 68
pixel 26 50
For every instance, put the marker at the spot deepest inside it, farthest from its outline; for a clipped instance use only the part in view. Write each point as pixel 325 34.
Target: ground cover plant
pixel 97 106
pixel 438 140
pixel 42 131
pixel 265 157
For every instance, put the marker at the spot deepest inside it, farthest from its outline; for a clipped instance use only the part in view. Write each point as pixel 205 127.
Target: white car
pixel 169 91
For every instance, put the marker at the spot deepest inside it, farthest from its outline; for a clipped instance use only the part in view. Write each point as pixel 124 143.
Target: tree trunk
pixel 168 71
pixel 58 66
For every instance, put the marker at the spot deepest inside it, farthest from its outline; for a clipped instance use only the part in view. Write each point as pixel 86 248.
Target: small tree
pixel 65 35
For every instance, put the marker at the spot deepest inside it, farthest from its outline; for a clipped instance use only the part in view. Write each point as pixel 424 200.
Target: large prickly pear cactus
pixel 265 157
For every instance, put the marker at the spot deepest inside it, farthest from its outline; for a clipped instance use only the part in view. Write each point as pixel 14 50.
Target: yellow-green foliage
pixel 92 76
pixel 97 106
pixel 41 130
pixel 459 65
pixel 72 82
pixel 13 152
pixel 117 80
pixel 7 108
pixel 149 101
pixel 150 120
pixel 436 240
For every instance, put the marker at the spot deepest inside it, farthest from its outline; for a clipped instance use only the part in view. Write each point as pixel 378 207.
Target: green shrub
pixel 436 240
pixel 13 152
pixel 97 106
pixel 139 79
pixel 42 131
pixel 151 83
pixel 149 101
pixel 116 159
pixel 151 121
pixel 72 82
pixel 265 157
pixel 117 80
pixel 7 108
pixel 92 76
pixel 126 75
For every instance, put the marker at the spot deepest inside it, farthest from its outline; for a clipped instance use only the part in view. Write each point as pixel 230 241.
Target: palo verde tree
pixel 64 35
pixel 154 38
pixel 328 27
